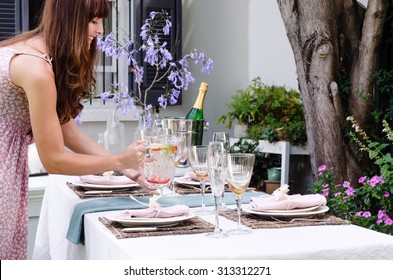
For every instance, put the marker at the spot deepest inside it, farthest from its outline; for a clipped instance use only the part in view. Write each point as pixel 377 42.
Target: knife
pixel 97 192
pixel 134 229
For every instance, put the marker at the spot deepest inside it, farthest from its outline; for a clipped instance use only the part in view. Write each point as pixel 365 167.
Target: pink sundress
pixel 15 136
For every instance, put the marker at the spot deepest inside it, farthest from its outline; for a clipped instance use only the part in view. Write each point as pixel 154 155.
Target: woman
pixel 44 74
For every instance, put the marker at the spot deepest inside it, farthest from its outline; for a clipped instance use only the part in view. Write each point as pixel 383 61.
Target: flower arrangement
pixel 370 203
pixel 157 55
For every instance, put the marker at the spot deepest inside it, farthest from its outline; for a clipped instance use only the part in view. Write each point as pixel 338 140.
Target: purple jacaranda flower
pixel 172 100
pixel 105 95
pixel 367 214
pixel 167 27
pixel 155 54
pixel 175 93
pixel 162 101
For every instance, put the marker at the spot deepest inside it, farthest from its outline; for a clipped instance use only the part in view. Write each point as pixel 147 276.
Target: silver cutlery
pixel 97 192
pixel 134 229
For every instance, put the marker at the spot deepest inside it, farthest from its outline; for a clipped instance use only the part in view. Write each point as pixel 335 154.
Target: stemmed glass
pixel 160 161
pixel 239 172
pixel 217 165
pixel 224 138
pixel 197 156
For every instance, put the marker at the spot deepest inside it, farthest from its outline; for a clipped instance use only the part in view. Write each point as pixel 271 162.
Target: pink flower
pixel 325 191
pixel 359 213
pixel 386 194
pixel 350 191
pixel 321 169
pixel 367 214
pixel 376 180
pixel 362 179
pixel 346 184
pixel 389 222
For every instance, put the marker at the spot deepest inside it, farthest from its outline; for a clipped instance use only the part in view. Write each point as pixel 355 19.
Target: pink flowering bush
pixel 369 203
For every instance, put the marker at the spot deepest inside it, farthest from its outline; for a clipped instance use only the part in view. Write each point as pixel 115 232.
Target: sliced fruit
pixel 158 180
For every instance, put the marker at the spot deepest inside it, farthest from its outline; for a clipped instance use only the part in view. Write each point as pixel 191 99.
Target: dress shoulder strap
pixel 44 56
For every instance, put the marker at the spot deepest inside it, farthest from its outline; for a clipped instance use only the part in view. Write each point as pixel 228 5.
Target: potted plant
pixel 272 113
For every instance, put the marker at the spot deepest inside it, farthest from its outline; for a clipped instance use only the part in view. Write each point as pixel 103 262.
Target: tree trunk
pixel 327 39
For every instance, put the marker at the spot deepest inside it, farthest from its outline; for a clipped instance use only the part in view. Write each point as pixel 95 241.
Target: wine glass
pixel 181 153
pixel 239 172
pixel 197 156
pixel 217 165
pixel 160 161
pixel 224 138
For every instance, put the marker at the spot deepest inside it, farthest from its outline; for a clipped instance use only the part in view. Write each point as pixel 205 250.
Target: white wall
pixel 270 54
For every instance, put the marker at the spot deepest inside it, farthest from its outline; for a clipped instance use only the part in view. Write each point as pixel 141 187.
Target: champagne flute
pixel 224 138
pixel 217 165
pixel 239 172
pixel 197 156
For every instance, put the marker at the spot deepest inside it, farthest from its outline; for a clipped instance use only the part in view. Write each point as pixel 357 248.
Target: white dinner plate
pixel 297 210
pixel 185 181
pixel 131 222
pixel 290 214
pixel 93 187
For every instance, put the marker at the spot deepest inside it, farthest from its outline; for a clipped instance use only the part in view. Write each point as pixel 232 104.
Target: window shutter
pixel 142 10
pixel 9 23
pixel 14 17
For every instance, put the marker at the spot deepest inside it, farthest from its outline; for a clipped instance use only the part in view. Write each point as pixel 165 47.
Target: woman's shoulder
pixel 31 47
pixel 25 67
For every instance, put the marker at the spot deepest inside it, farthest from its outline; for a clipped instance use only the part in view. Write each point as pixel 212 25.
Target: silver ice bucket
pixel 191 130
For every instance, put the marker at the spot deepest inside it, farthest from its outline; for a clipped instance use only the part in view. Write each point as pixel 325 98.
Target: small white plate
pixel 185 181
pixel 319 210
pixel 93 187
pixel 137 222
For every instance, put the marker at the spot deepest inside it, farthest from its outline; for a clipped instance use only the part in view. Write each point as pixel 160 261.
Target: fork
pixel 299 219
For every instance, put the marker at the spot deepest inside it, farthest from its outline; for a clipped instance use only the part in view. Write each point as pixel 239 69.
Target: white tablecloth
pixel 313 242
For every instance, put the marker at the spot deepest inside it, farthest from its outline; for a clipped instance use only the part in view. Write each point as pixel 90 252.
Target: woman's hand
pixel 137 176
pixel 134 154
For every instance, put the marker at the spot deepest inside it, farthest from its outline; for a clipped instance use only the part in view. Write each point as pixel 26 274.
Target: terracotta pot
pixel 271 186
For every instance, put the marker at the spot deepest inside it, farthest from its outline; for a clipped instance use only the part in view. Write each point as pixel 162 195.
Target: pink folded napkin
pixel 191 176
pixel 157 212
pixel 106 180
pixel 287 202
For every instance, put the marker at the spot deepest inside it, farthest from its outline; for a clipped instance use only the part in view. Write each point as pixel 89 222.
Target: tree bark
pixel 326 38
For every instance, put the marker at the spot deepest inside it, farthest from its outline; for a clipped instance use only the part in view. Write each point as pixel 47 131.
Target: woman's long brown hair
pixel 64 25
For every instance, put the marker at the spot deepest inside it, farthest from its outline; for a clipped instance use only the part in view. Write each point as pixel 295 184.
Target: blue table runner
pixel 75 233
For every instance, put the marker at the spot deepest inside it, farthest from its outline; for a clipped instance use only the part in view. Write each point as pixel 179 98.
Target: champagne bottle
pixel 196 112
